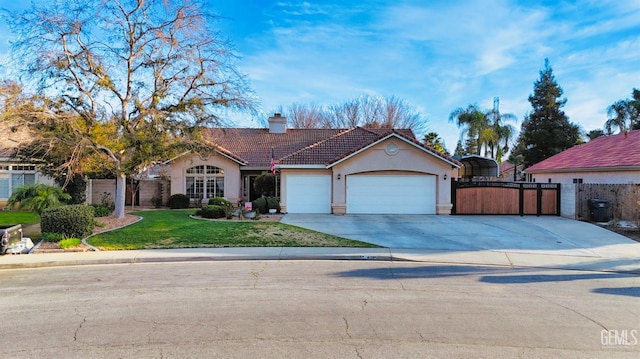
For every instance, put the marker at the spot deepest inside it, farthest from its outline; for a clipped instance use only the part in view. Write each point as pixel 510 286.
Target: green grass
pixel 15 217
pixel 69 243
pixel 175 229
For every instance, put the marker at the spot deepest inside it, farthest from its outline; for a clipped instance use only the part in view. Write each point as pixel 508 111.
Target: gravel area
pixel 113 222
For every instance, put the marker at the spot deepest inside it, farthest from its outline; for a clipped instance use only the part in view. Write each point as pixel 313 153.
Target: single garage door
pixel 377 194
pixel 309 193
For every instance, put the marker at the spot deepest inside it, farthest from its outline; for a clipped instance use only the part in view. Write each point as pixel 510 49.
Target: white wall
pixel 604 177
pixel 568 200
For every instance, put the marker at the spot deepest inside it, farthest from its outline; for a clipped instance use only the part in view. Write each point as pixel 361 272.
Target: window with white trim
pixel 12 176
pixel 204 181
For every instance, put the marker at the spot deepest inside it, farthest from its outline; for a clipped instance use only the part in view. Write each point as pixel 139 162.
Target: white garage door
pixel 309 193
pixel 371 194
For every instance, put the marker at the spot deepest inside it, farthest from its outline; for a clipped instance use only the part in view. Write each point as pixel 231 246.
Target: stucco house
pixel 611 159
pixel 13 171
pixel 336 171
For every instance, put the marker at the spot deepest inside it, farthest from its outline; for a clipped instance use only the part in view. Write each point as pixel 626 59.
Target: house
pixel 13 171
pixel 607 159
pixel 510 172
pixel 336 171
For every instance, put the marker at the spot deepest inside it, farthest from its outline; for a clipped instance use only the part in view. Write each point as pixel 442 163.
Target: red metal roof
pixel 622 150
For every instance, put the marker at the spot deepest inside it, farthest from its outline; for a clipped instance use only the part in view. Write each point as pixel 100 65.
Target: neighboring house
pixel 607 159
pixel 322 170
pixel 13 171
pixel 510 172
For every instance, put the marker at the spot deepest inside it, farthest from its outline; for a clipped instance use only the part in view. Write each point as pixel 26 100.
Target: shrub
pixel 76 187
pixel 260 205
pixel 178 201
pixel 37 197
pixel 101 210
pixel 219 201
pixel 75 221
pixel 212 211
pixel 264 204
pixel 106 201
pixel 156 201
pixel 53 237
pixel 273 203
pixel 265 184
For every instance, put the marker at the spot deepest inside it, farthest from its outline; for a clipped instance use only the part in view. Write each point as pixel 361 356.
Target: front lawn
pixel 30 222
pixel 21 217
pixel 175 229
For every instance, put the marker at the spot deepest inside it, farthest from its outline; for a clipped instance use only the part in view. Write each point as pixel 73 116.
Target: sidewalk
pixel 537 259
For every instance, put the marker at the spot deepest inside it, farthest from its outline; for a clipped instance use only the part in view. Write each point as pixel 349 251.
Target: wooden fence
pixel 624 200
pixel 505 198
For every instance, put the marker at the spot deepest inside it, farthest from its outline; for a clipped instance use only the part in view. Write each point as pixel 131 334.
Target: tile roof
pixel 301 146
pixel 622 150
pixel 253 145
pixel 12 134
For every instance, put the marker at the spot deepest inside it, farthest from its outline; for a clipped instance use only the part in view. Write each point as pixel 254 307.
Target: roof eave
pixel 240 162
pixel 314 166
pixel 584 169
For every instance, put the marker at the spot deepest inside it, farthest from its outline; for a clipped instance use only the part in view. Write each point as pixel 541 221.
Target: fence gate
pixel 505 198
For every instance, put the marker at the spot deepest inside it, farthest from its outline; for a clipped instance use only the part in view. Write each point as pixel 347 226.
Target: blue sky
pixel 437 55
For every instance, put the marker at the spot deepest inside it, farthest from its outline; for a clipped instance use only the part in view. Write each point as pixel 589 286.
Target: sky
pixel 436 55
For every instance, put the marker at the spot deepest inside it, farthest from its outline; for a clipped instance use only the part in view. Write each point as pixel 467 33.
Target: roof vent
pixel 277 123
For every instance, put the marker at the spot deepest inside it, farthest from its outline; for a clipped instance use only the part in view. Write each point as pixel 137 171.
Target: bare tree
pixel 364 111
pixel 139 77
pixel 307 116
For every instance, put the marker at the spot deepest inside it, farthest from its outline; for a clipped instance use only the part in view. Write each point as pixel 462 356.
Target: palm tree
pixel 473 123
pixel 432 139
pixel 619 117
pixel 502 132
pixel 37 197
pixel 624 114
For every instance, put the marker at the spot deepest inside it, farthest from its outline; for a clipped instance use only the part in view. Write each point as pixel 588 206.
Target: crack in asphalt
pixel 256 275
pixel 572 310
pixel 84 320
pixel 346 327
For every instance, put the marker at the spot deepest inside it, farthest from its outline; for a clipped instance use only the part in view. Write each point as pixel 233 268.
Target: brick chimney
pixel 277 123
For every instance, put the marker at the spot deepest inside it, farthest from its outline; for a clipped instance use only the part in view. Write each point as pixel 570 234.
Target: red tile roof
pixel 622 150
pixel 253 145
pixel 301 146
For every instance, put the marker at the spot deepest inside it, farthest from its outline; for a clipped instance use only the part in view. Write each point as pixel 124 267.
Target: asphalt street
pixel 317 309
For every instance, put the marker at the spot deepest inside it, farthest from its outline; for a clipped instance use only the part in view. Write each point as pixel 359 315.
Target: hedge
pixel 178 201
pixel 212 211
pixel 75 221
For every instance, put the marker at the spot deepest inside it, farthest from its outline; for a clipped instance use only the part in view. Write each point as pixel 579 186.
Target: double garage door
pixel 371 194
pixel 366 194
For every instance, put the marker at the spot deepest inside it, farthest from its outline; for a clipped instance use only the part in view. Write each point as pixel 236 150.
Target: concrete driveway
pixel 529 234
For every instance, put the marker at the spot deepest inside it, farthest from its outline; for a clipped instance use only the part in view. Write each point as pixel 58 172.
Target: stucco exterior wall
pixel 407 160
pixel 231 174
pixel 608 177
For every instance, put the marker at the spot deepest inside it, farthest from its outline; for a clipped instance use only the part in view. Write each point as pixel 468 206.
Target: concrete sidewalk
pixel 478 257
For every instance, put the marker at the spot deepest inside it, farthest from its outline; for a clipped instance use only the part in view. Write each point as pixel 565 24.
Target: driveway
pixel 529 234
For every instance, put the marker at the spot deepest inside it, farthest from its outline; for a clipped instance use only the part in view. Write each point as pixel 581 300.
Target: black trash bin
pixel 599 209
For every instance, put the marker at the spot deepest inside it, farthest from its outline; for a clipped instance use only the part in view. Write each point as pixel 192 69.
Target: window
pixel 21 179
pixel 4 185
pixel 577 180
pixel 12 176
pixel 204 181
